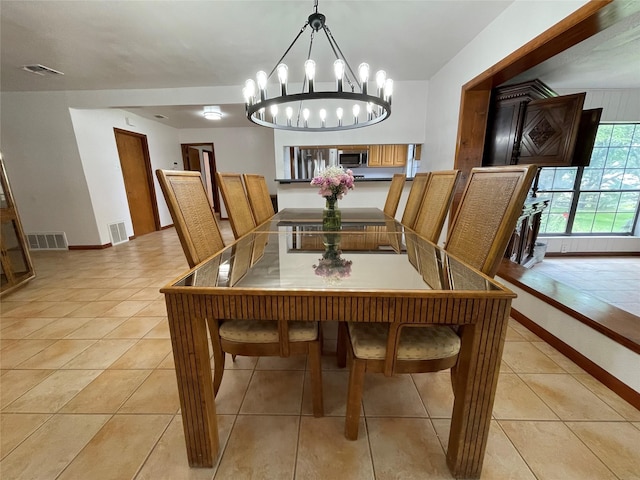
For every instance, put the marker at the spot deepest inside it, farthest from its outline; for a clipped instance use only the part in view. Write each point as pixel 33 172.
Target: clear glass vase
pixel 331 217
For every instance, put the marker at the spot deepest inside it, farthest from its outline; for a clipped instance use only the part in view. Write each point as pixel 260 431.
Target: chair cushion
pixel 431 342
pixel 266 331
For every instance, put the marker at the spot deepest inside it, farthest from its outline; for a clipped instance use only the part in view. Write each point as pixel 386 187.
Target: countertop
pixel 357 180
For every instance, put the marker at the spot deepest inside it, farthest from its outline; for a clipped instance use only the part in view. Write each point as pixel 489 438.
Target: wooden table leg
pixel 193 371
pixel 475 388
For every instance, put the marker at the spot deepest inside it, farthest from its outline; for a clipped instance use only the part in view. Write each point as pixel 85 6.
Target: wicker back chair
pixel 435 205
pixel 235 199
pixel 418 188
pixel 486 218
pixel 395 192
pixel 489 209
pixel 259 198
pixel 200 238
pixel 192 215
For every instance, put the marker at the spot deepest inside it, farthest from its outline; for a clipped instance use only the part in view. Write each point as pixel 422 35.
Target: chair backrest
pixel 435 204
pixel 395 191
pixel 414 200
pixel 259 198
pixel 192 215
pixel 487 215
pixel 235 199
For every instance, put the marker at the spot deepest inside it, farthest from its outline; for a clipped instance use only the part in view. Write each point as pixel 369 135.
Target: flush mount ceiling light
pixel 347 107
pixel 212 113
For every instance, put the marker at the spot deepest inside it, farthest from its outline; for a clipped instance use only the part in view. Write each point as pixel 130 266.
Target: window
pixel 601 199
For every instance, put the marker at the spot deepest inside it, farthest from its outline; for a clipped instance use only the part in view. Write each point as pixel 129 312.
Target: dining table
pixel 378 271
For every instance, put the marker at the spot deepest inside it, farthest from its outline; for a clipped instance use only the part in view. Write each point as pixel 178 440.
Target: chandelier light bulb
pixel 289 113
pixel 363 73
pixel 305 115
pixel 323 116
pixel 339 112
pixel 261 78
pixel 381 78
pixel 250 87
pixel 369 110
pixel 274 112
pixel 338 70
pixel 356 112
pixel 310 72
pixel 245 94
pixel 283 74
pixel 388 89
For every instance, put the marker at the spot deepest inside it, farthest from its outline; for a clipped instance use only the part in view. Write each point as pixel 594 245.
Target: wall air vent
pixel 41 70
pixel 47 241
pixel 118 233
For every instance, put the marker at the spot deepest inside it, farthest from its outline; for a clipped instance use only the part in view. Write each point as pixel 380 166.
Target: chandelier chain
pixel 306 24
pixel 332 42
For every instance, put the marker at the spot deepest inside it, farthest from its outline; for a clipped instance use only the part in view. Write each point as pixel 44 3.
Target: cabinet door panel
pixel 549 130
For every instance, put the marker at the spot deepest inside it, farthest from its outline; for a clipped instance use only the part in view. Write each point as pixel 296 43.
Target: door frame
pixel 184 147
pixel 592 18
pixel 149 170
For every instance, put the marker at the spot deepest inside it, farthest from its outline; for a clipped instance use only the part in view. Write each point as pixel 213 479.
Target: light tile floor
pixel 615 280
pixel 87 391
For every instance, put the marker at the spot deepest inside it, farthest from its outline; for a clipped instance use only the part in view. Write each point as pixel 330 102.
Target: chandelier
pixel 347 107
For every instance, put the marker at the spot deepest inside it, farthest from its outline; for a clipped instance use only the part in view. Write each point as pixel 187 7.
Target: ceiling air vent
pixel 41 70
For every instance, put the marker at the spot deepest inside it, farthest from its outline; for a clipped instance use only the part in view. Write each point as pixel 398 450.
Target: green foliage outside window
pixel 602 198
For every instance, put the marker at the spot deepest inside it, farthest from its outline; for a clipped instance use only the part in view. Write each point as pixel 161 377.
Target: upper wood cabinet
pixel 529 123
pixel 387 155
pixel 15 261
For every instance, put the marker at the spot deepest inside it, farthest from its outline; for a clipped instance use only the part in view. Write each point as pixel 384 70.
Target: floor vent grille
pixel 118 233
pixel 47 241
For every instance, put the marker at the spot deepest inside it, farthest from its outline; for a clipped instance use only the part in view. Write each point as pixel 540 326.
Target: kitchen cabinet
pixel 15 261
pixel 529 123
pixel 387 155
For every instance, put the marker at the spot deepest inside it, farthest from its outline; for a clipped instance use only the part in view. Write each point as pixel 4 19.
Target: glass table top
pixel 371 252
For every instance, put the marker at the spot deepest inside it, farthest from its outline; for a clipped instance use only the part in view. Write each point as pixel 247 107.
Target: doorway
pixel 200 157
pixel 135 162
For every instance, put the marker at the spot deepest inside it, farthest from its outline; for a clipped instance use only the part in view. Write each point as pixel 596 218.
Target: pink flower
pixel 334 182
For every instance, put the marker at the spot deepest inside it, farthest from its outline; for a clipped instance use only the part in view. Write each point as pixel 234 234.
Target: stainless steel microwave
pixel 352 158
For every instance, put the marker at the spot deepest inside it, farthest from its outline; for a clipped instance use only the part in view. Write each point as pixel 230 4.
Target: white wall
pixel 604 352
pixel 101 162
pixel 44 166
pixel 239 150
pixel 617 105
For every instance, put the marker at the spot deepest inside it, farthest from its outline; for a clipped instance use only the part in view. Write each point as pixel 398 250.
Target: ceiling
pixel 110 45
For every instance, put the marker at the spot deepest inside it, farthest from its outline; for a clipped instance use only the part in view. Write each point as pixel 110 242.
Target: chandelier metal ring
pixel 266 111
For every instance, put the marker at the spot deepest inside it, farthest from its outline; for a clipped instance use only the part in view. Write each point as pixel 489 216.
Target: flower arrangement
pixel 334 183
pixel 332 266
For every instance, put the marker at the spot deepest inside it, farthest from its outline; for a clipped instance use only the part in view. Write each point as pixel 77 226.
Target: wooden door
pixel 586 139
pixel 193 160
pixel 550 129
pixel 138 181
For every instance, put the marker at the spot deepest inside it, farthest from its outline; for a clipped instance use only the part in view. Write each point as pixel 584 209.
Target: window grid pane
pixel 608 197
